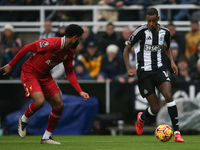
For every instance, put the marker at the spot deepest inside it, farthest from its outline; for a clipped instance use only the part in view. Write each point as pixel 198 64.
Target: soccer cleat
pixel 177 137
pixel 139 124
pixel 22 128
pixel 49 141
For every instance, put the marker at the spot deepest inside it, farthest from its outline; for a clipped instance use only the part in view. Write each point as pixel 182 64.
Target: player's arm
pixel 134 38
pixel 168 52
pixel 73 81
pixel 126 59
pixel 27 48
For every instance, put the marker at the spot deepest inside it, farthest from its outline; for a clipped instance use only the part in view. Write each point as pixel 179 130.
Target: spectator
pixel 9 15
pixel 194 58
pixel 184 74
pixel 126 15
pixel 47 31
pixel 16 71
pixel 109 37
pixel 192 38
pixel 124 78
pixel 61 30
pixel 7 37
pixel 107 15
pixel 81 71
pixel 92 60
pixel 176 14
pixel 178 38
pixel 197 72
pixel 111 64
pixel 88 36
pixel 126 33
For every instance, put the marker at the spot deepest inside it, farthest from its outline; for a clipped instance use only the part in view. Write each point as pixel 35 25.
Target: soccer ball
pixel 164 132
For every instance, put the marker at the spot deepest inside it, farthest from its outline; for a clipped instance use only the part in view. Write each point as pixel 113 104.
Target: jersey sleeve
pixel 135 36
pixel 27 48
pixel 167 39
pixel 48 44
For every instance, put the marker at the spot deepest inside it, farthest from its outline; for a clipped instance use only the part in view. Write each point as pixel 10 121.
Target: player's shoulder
pixel 140 29
pixel 50 40
pixel 53 42
pixel 164 28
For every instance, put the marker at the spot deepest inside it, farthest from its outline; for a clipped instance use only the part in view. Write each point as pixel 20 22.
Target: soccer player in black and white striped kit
pixel 148 41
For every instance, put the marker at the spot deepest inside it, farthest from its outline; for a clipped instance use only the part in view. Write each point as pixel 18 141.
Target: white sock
pixel 176 132
pixel 24 118
pixel 46 135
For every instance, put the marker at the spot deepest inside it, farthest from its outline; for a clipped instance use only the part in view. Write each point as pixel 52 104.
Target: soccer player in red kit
pixel 38 82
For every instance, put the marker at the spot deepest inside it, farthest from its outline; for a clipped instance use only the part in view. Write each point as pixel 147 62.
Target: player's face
pixel 76 42
pixel 152 22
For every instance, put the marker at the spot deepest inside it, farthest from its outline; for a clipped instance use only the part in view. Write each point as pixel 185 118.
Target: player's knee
pixel 168 97
pixel 39 104
pixel 60 106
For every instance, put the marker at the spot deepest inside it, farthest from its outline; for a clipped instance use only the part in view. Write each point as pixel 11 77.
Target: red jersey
pixel 48 53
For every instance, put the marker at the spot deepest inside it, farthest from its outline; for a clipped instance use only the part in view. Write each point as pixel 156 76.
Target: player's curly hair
pixel 73 29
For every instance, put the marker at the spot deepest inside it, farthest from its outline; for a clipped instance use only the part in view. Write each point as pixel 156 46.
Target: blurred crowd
pixel 100 56
pixel 103 15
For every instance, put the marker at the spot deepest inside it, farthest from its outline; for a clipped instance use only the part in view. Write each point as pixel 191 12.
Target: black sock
pixel 145 114
pixel 172 110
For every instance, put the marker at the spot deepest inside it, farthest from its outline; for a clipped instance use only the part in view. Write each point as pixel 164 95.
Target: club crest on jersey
pixel 162 38
pixel 45 43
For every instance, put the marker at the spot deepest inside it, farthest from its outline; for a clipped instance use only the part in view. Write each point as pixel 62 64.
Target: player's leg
pixel 149 112
pixel 165 89
pixel 147 90
pixel 38 102
pixel 34 91
pixel 53 97
pixel 57 107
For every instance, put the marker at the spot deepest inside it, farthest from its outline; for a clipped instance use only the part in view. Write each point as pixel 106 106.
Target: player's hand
pixel 130 72
pixel 7 68
pixel 85 96
pixel 174 68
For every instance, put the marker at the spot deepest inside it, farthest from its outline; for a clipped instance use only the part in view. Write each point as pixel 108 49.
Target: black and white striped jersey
pixel 148 46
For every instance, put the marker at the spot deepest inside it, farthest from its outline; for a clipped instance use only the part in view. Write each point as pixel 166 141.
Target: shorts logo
pixel 45 43
pixel 145 91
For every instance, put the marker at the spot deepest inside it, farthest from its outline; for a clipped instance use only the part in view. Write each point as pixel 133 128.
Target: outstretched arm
pixel 27 48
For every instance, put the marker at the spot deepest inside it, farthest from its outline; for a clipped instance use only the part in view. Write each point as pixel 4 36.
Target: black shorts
pixel 148 80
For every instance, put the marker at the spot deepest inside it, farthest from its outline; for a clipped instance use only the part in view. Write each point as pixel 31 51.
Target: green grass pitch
pixel 126 142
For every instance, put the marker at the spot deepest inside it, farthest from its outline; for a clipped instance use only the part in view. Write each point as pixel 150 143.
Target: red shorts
pixel 33 84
